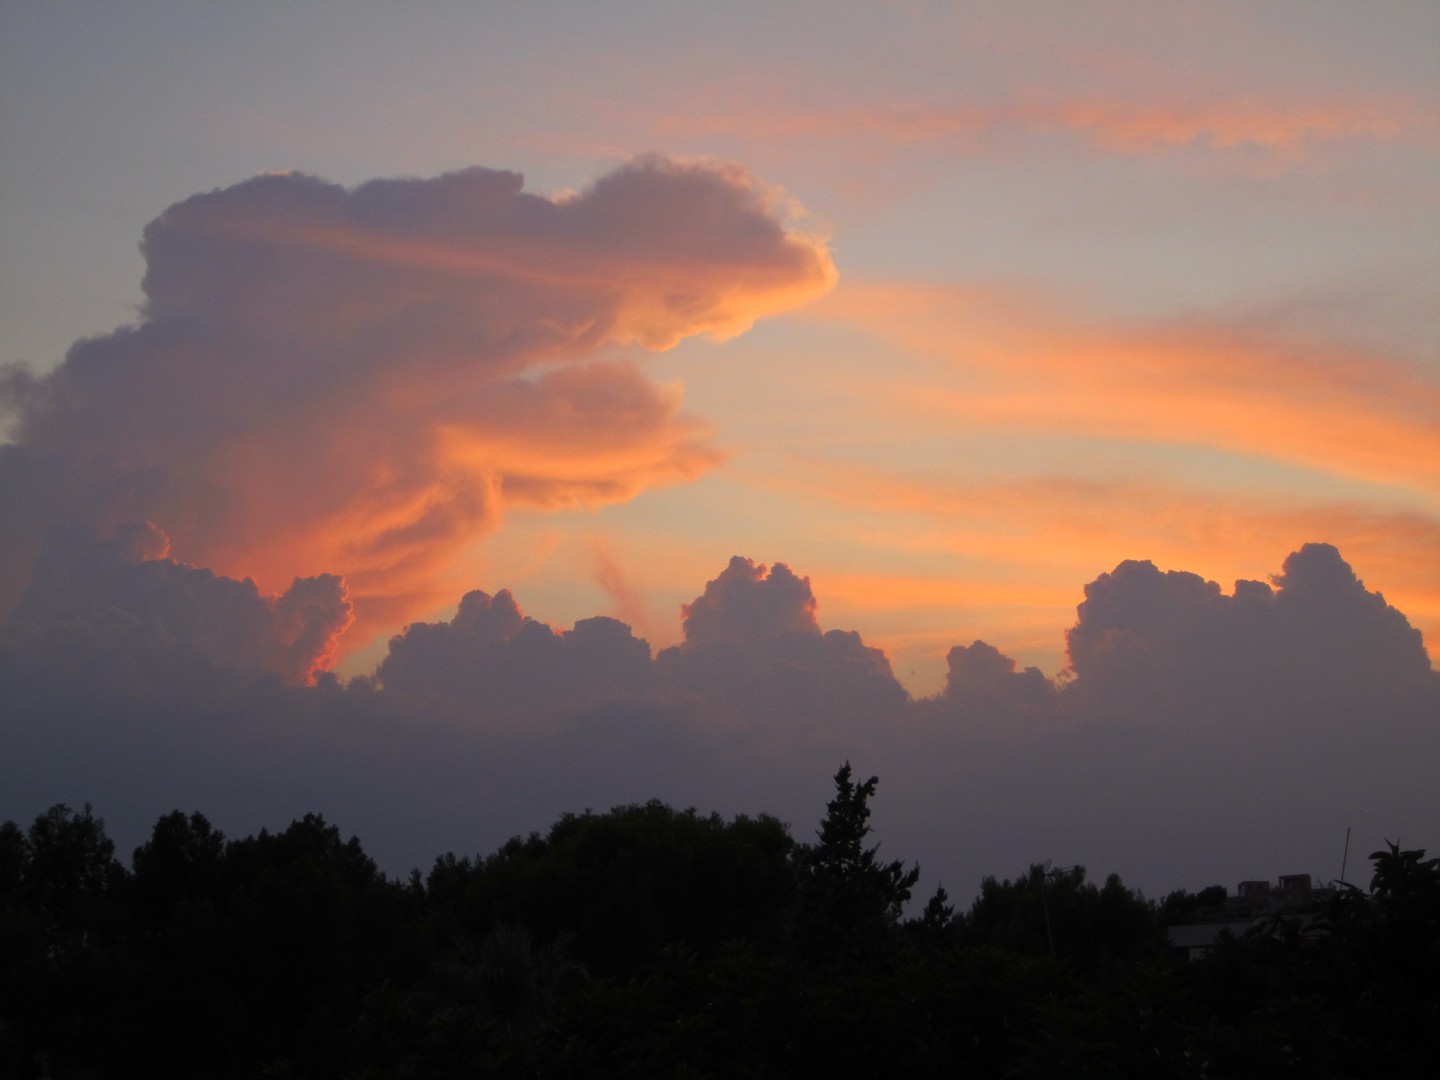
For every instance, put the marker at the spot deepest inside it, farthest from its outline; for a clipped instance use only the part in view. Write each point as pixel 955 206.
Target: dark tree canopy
pixel 647 941
pixel 848 901
pixel 628 882
pixel 1056 912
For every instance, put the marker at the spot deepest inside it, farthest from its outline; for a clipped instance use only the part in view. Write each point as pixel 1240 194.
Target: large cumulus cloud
pixel 493 659
pixel 1173 645
pixel 359 381
pixel 753 642
pixel 982 684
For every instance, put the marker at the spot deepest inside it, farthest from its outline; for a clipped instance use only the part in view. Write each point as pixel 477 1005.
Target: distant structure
pixel 1262 898
pixel 1197 939
pixel 1254 901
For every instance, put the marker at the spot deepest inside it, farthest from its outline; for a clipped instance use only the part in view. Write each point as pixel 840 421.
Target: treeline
pixel 651 942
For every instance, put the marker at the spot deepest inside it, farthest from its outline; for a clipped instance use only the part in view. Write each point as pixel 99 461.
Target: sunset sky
pixel 949 308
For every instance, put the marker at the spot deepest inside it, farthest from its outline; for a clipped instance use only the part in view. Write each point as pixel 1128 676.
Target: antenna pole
pixel 1345 859
pixel 1045 907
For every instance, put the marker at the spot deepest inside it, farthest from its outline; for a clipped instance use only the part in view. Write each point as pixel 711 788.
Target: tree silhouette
pixel 848 901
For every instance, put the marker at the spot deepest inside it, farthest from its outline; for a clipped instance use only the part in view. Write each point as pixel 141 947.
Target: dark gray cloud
pixel 128 586
pixel 753 642
pixel 491 655
pixel 1173 646
pixel 983 685
pixel 1324 715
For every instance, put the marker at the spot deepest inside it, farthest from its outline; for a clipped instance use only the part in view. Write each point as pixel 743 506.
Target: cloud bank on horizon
pixel 1197 732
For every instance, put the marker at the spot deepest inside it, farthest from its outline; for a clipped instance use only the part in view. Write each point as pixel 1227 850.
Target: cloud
pixel 983 684
pixel 1203 735
pixel 752 651
pixel 491 658
pixel 1312 649
pixel 1289 132
pixel 128 587
pixel 1302 655
pixel 360 381
pixel 748 607
pixel 1236 123
pixel 752 641
pixel 1006 361
pixel 628 602
pixel 1001 556
pixel 1197 729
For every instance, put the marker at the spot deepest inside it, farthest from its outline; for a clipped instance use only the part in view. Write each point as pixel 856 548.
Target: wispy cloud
pixel 630 605
pixel 1005 360
pixel 1289 133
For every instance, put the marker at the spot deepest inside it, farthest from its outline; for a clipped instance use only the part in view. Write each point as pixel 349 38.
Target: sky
pixel 441 416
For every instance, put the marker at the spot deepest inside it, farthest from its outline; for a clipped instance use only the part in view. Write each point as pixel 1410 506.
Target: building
pixel 1254 901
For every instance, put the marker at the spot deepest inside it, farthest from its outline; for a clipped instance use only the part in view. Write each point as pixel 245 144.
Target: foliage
pixel 1182 906
pixel 653 942
pixel 626 884
pixel 848 902
pixel 1351 991
pixel 1056 912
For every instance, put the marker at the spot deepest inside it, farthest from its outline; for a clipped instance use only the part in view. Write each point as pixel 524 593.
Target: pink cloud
pixel 1005 360
pixel 361 381
pixel 629 603
pixel 1286 131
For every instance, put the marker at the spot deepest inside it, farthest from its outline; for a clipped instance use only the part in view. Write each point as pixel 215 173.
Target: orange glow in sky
pixel 950 309
pixel 447 416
